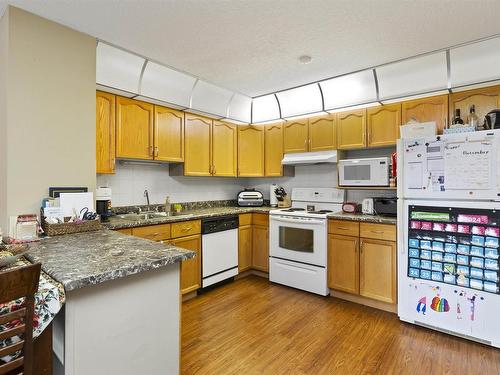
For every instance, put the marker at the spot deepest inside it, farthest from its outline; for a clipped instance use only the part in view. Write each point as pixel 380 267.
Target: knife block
pixel 285 202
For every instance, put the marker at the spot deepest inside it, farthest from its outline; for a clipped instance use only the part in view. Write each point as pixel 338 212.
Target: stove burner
pixel 319 212
pixel 293 209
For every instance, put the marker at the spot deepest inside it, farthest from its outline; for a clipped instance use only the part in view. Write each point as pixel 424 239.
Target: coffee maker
pixel 103 202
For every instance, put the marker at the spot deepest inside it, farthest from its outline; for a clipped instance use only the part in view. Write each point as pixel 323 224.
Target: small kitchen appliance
pixel 492 119
pixel 350 207
pixel 367 206
pixel 298 239
pixel 387 206
pixel 250 198
pixel 272 196
pixel 364 172
pixel 103 202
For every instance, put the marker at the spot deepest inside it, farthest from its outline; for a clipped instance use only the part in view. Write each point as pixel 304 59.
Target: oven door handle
pixel 298 221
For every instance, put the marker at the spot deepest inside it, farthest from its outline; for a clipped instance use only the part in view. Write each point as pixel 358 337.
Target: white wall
pixel 50 127
pixel 130 181
pixel 4 47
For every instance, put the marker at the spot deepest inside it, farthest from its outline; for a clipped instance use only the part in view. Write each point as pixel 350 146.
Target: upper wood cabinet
pixel 322 133
pixel 434 108
pixel 484 100
pixel 197 158
pixel 378 270
pixel 343 263
pixel 273 149
pixel 313 134
pixel 296 136
pixel 105 132
pixel 251 151
pixel 383 125
pixel 134 129
pixel 351 129
pixel 168 134
pixel 224 149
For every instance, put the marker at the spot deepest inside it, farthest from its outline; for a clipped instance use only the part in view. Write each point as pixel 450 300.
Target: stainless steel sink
pixel 150 215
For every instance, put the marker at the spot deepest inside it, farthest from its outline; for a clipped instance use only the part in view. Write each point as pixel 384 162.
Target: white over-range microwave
pixel 364 172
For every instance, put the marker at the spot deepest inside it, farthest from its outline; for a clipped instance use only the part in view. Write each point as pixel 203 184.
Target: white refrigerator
pixel 448 234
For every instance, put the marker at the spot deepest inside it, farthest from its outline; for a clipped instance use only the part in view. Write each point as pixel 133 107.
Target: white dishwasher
pixel 219 249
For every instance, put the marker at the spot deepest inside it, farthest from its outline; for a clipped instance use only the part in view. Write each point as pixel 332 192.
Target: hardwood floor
pixel 252 326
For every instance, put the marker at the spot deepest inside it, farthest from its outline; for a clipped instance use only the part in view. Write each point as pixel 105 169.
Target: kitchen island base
pixel 125 326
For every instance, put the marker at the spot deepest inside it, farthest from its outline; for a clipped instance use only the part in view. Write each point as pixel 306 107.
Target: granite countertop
pixel 84 259
pixel 363 217
pixel 116 222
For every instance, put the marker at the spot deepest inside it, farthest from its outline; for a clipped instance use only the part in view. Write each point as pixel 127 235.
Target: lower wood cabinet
pixel 343 263
pixel 260 248
pixel 377 270
pixel 364 263
pixel 191 268
pixel 245 248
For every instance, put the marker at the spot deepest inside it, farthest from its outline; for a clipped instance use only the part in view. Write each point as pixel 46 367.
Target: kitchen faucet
pixel 146 194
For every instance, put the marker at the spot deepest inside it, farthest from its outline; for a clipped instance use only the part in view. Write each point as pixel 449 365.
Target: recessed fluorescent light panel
pixel 300 101
pixel 117 68
pixel 419 75
pixel 354 107
pixel 477 62
pixel 265 108
pixel 211 99
pixel 349 90
pixel 240 108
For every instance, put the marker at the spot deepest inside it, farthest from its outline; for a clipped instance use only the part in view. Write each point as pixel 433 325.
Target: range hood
pixel 318 157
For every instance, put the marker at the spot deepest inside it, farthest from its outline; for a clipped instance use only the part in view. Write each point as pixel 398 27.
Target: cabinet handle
pixel 377 231
pixel 151 150
pixel 355 246
pixel 215 170
pixel 185 229
pixel 361 246
pixel 156 151
pixel 342 228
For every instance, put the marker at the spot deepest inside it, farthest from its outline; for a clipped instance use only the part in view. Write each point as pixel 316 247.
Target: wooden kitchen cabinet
pixel 159 232
pixel 351 129
pixel 197 158
pixel 343 263
pixel 322 133
pixel 434 108
pixel 244 248
pixel 260 248
pixel 296 136
pixel 485 99
pixel 273 139
pixel 168 134
pixel 377 269
pixel 383 125
pixel 105 132
pixel 185 228
pixel 191 268
pixel 134 129
pixel 224 149
pixel 251 151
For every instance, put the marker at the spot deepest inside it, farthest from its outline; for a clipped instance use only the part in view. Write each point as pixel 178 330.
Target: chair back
pixel 18 283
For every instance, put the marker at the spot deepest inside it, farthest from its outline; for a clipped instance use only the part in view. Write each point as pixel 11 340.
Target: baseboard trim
pixel 188 296
pixel 389 307
pixel 252 272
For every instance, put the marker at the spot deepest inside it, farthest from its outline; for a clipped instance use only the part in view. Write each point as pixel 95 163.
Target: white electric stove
pixel 298 239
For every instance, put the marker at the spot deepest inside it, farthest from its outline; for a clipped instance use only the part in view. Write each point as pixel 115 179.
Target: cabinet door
pixel 105 132
pixel 378 270
pixel 383 125
pixel 484 99
pixel 169 134
pixel 134 129
pixel 197 130
pixel 244 248
pixel 343 263
pixel 434 108
pixel 322 133
pixel 191 268
pixel 296 136
pixel 351 129
pixel 224 149
pixel 273 149
pixel 260 253
pixel 251 151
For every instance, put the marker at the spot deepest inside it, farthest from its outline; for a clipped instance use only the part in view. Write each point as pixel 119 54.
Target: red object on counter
pixel 394 163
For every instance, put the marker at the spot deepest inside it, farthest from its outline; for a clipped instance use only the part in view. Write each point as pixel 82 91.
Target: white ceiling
pixel 252 46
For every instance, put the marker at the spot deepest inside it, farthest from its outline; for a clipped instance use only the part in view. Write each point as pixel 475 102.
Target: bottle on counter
pixel 473 120
pixel 168 206
pixel 457 121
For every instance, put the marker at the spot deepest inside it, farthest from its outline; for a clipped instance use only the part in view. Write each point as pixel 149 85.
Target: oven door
pixel 298 239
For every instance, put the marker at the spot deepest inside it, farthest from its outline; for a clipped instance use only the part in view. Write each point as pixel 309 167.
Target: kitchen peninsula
pixel 122 309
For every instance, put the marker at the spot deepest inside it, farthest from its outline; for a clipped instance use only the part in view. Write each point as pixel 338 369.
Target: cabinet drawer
pixel 378 231
pixel 260 219
pixel 186 228
pixel 245 219
pixel 347 228
pixel 158 232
